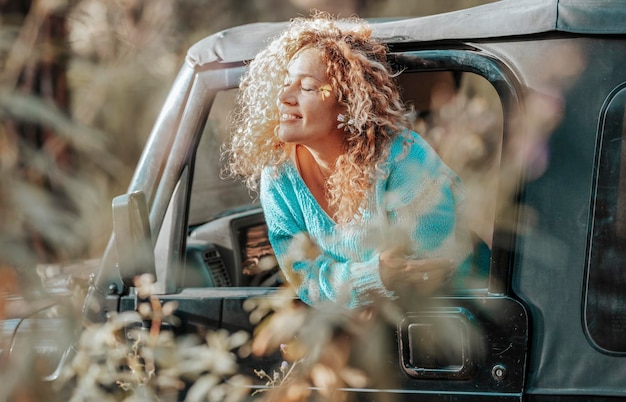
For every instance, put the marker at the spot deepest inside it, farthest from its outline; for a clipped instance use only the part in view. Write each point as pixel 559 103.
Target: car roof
pixel 499 19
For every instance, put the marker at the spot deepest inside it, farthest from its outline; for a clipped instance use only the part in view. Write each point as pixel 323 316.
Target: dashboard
pixel 231 250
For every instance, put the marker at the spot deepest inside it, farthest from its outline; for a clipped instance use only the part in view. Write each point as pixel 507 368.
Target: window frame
pixel 510 94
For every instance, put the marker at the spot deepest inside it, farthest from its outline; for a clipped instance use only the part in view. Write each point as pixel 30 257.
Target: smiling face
pixel 308 114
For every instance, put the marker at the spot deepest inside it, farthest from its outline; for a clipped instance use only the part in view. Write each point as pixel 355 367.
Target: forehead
pixel 307 62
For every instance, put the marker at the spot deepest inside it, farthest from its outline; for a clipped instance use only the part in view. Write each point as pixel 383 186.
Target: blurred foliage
pixel 133 357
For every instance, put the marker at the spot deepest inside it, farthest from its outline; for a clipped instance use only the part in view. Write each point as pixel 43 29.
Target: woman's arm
pixel 316 276
pixel 424 200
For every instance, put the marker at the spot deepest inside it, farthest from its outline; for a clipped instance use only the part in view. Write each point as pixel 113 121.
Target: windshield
pixel 212 194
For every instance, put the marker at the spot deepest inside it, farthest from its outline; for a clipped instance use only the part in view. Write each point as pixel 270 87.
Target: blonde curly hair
pixel 361 81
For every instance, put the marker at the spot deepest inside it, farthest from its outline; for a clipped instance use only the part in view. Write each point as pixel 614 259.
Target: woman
pixel 358 207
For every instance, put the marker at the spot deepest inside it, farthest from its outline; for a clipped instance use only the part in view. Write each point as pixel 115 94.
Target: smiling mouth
pixel 286 116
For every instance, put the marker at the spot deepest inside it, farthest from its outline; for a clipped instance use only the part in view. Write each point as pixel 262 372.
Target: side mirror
pixel 133 239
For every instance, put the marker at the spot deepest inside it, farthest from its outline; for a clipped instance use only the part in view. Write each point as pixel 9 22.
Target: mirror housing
pixel 133 239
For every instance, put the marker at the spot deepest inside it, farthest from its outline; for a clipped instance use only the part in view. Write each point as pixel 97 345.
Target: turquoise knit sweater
pixel 415 204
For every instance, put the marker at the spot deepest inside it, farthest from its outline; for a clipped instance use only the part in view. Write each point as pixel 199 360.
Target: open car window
pixel 459 113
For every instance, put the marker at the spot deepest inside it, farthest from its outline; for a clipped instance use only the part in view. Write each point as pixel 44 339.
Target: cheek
pixel 328 111
pixel 321 113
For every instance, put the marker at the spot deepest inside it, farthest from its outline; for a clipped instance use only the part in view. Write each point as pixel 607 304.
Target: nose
pixel 287 95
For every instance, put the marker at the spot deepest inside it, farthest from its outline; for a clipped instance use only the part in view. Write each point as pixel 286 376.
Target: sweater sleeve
pixel 424 197
pixel 315 274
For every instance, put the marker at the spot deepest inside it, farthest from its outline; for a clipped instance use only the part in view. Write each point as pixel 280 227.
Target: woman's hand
pixel 401 274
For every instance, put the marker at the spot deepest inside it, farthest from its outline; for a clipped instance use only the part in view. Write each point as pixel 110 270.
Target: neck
pixel 324 160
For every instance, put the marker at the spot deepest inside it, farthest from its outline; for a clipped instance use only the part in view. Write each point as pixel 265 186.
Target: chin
pixel 287 138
